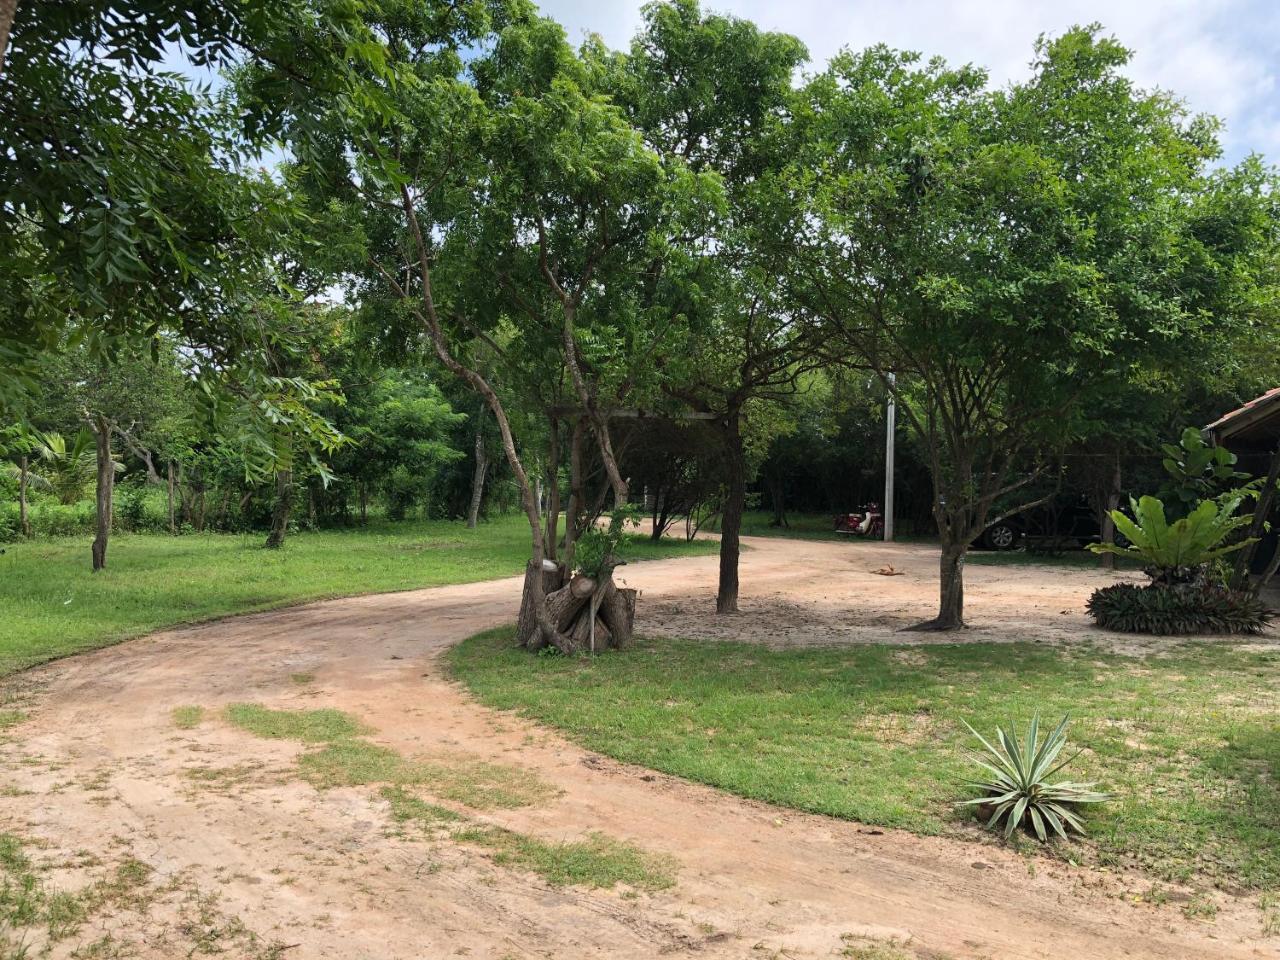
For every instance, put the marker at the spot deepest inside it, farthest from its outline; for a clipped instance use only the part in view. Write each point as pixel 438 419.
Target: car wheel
pixel 1002 536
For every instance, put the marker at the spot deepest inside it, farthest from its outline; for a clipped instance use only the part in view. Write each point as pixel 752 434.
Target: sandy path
pixel 96 773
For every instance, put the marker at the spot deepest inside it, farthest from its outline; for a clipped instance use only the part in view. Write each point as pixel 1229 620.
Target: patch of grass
pixel 1269 905
pixel 51 605
pixel 31 913
pixel 352 763
pixel 481 785
pixel 1076 559
pixel 348 760
pixel 598 861
pixel 307 726
pixel 406 808
pixel 861 948
pixel 1186 741
pixel 224 778
pixel 187 718
pixel 302 679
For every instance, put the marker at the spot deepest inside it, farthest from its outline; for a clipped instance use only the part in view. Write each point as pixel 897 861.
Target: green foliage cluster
pixel 1179 609
pixel 1018 788
pixel 1177 552
pixel 1195 470
pixel 598 548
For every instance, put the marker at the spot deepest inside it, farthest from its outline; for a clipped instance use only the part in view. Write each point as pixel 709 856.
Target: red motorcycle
pixel 869 523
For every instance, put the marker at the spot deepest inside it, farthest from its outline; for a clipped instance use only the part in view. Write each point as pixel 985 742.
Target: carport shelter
pixel 1252 433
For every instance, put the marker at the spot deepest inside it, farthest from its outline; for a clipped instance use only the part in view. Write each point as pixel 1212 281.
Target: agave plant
pixel 1018 789
pixel 1175 552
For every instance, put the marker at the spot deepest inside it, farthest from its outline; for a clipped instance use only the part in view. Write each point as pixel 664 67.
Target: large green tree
pixel 1004 253
pixel 714 91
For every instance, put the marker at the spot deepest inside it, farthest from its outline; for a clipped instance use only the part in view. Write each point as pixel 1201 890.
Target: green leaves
pixel 1175 550
pixel 1178 610
pixel 1018 790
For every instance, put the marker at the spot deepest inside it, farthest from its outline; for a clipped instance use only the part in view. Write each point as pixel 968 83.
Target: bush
pixel 1177 610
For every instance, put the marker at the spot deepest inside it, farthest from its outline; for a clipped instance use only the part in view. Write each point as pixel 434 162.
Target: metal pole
pixel 890 425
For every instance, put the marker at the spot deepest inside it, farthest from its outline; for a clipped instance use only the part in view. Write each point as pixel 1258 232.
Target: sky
pixel 1220 56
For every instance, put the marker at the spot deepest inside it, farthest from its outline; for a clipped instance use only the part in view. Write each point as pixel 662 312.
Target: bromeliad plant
pixel 1018 790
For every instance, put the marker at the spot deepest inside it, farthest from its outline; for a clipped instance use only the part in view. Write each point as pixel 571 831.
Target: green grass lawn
pixel 51 604
pixel 1188 742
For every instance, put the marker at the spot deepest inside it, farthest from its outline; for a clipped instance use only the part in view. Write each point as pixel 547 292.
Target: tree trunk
pixel 364 504
pixel 618 611
pixel 173 528
pixel 1261 511
pixel 477 475
pixel 576 493
pixel 731 519
pixel 280 512
pixel 24 523
pixel 951 589
pixel 105 491
pixel 553 492
pixel 1108 560
pixel 8 12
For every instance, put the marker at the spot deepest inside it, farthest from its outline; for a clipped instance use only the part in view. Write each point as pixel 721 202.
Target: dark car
pixel 1064 522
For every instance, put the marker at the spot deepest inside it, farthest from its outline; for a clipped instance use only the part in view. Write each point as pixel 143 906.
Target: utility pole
pixel 890 425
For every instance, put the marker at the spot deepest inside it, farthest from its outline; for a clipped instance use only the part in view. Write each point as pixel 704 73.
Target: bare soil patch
pixel 250 857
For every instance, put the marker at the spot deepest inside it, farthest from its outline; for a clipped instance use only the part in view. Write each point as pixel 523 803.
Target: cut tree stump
pixel 569 609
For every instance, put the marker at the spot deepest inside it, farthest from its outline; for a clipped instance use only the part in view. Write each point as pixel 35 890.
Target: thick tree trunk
pixel 618 611
pixel 593 615
pixel 1261 511
pixel 1108 560
pixel 24 523
pixel 8 13
pixel 951 590
pixel 105 491
pixel 731 519
pixel 173 527
pixel 478 474
pixel 280 512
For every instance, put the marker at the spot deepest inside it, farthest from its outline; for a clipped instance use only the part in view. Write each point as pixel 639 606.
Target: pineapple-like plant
pixel 1017 788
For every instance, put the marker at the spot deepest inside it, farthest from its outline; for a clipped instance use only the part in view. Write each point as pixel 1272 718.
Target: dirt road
pixel 246 859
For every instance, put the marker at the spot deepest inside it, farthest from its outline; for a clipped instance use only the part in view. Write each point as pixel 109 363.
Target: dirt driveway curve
pixel 97 773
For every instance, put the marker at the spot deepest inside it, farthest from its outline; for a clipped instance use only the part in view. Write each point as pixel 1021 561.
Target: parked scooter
pixel 869 523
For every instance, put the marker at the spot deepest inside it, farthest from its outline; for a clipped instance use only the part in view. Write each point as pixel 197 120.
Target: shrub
pixel 1173 610
pixel 1018 791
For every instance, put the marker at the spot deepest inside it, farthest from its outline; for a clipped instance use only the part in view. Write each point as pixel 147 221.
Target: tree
pixel 714 91
pixel 131 210
pixel 1002 252
pixel 136 399
pixel 444 205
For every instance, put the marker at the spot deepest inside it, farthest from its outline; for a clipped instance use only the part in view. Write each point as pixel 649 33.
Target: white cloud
pixel 1221 56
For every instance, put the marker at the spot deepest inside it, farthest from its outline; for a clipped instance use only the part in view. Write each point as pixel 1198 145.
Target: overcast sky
pixel 1221 56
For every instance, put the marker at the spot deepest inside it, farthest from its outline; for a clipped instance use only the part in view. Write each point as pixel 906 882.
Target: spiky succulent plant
pixel 1018 788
